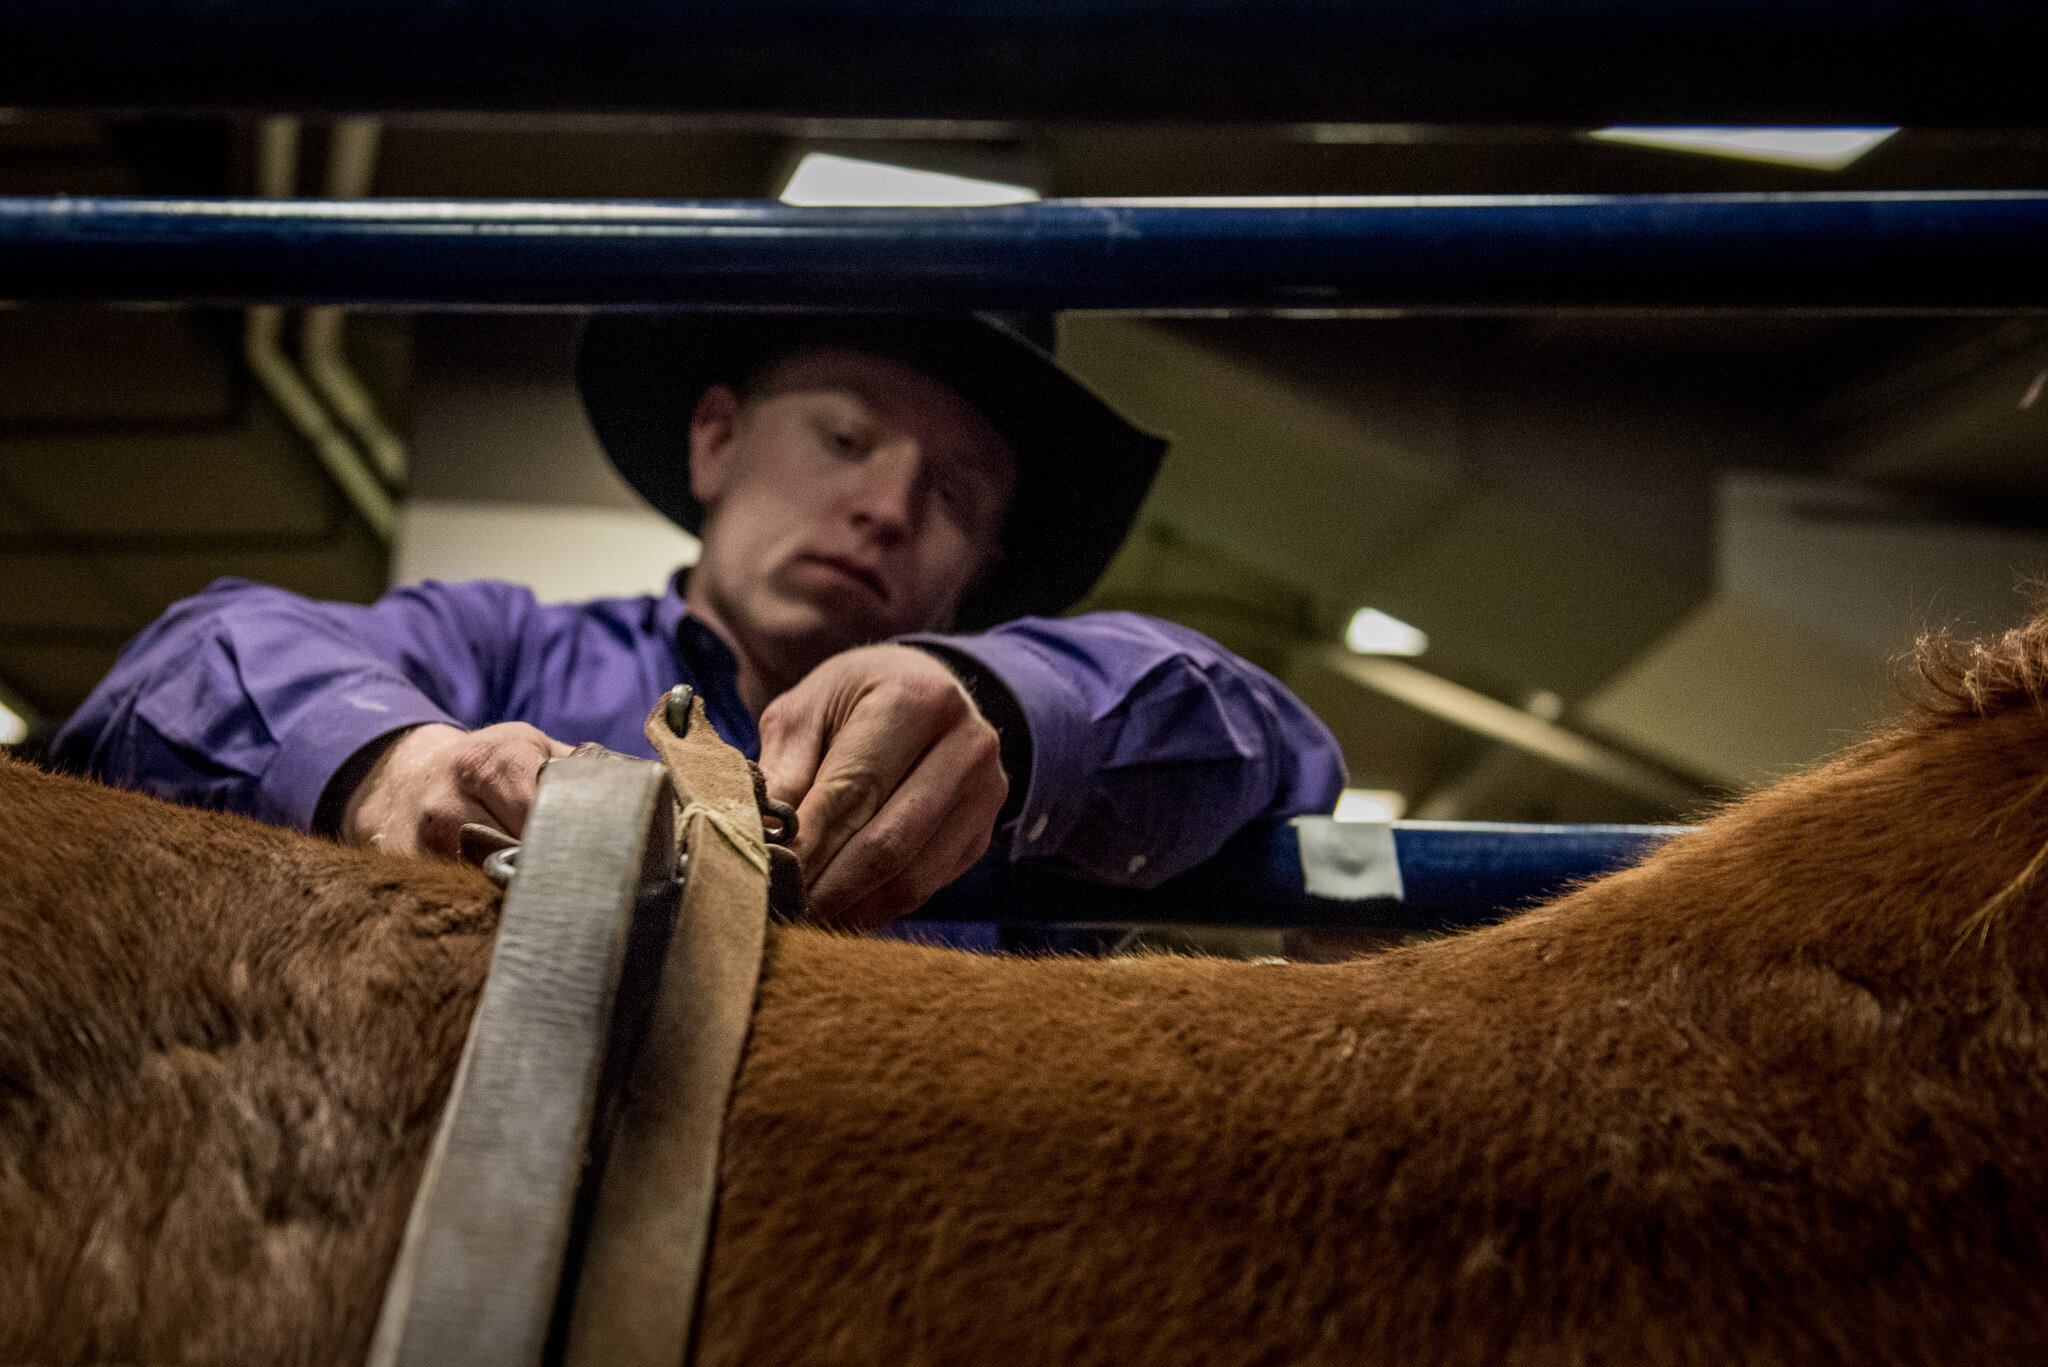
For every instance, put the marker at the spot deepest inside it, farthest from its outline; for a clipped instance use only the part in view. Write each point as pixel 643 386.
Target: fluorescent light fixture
pixel 824 178
pixel 13 727
pixel 1372 632
pixel 1370 804
pixel 1819 149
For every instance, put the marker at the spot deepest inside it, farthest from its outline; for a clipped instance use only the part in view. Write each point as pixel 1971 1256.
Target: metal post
pixel 1404 875
pixel 1953 250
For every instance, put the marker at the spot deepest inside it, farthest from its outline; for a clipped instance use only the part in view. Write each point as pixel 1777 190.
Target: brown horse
pixel 1779 1095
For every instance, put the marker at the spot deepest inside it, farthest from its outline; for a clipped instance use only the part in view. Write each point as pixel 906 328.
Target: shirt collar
pixel 669 610
pixel 711 667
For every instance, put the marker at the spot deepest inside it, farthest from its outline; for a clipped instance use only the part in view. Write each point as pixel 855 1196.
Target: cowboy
pixel 891 508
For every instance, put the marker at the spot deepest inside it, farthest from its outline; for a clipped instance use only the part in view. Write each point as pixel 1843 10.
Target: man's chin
pixel 813 630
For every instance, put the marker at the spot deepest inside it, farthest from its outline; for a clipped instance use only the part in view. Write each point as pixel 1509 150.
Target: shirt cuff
pixel 1061 735
pixel 310 752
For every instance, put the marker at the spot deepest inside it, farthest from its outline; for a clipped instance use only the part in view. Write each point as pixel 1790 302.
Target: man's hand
pixel 896 777
pixel 417 796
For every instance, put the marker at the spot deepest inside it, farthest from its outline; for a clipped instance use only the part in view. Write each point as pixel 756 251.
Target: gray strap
pixel 477 1273
pixel 650 1234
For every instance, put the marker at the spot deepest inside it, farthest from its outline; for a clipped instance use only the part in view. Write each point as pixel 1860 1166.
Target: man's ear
pixel 713 426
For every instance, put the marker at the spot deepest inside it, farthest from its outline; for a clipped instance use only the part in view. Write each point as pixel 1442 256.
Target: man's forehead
pixel 897 390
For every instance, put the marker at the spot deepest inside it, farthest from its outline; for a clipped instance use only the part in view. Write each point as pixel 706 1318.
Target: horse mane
pixel 1983 678
pixel 1952 682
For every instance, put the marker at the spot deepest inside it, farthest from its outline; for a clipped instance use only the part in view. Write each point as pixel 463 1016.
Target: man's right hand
pixel 433 779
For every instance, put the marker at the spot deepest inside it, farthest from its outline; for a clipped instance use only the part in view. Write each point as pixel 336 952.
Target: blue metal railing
pixel 1585 62
pixel 1452 875
pixel 1947 250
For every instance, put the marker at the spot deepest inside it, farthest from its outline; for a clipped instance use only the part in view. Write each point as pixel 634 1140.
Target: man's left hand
pixel 896 777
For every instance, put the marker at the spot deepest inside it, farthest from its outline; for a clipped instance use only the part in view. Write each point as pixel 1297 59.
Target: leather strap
pixel 480 1264
pixel 643 1265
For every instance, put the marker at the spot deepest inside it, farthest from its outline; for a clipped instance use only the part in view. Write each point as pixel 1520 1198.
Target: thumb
pixel 792 746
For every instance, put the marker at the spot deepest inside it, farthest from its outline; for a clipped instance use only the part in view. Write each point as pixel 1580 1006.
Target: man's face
pixel 852 497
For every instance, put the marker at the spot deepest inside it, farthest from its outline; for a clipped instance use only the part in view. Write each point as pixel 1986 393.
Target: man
pixel 860 483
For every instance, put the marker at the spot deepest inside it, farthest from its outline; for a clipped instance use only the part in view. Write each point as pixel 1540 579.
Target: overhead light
pixel 1370 804
pixel 825 178
pixel 13 726
pixel 1372 632
pixel 1819 149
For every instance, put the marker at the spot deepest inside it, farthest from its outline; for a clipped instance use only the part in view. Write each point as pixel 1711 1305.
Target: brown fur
pixel 223 1048
pixel 1778 1095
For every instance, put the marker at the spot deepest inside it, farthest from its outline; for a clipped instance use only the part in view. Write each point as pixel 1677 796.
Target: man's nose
pixel 884 495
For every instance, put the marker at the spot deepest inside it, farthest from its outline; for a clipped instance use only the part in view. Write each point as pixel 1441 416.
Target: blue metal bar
pixel 1560 61
pixel 1453 874
pixel 1951 250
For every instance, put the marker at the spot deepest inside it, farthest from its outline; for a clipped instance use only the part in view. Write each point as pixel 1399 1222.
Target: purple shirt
pixel 1150 743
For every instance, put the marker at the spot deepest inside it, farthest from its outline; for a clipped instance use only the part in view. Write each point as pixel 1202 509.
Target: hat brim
pixel 1082 470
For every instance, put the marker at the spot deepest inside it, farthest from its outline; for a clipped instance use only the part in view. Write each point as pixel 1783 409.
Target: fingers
pixel 498 770
pixel 793 733
pixel 935 824
pixel 884 738
pixel 933 869
pixel 896 776
pixel 436 778
pixel 437 829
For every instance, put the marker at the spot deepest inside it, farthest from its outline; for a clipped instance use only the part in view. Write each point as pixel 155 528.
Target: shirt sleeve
pixel 1150 744
pixel 246 698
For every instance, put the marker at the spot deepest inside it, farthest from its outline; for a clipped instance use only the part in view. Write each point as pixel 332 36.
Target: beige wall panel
pixel 514 440
pixel 1870 571
pixel 564 554
pixel 1516 596
pixel 1271 475
pixel 1741 696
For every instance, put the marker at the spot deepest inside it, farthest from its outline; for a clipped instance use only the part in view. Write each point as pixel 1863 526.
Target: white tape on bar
pixel 1348 861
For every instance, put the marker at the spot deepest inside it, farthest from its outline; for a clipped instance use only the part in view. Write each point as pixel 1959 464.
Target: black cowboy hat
pixel 1082 470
